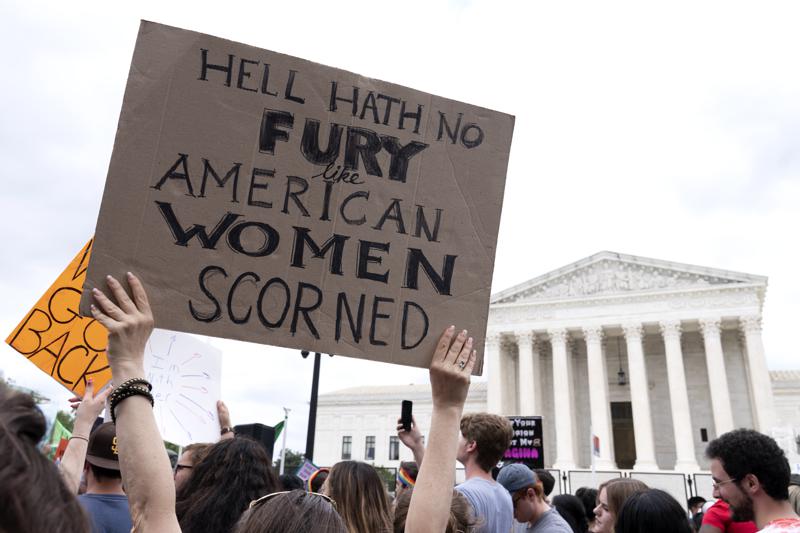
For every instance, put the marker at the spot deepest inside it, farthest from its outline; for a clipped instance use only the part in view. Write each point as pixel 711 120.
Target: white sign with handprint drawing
pixel 185 373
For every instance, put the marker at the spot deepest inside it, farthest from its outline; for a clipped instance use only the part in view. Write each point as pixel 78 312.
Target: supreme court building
pixel 652 358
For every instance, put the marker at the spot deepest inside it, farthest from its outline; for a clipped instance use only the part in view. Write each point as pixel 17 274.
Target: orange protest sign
pixel 53 336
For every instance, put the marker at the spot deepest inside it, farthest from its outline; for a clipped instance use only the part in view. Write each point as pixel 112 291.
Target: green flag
pixel 278 428
pixel 59 432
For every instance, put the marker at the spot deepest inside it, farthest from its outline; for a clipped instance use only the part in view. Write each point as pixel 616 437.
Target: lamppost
pixel 285 430
pixel 312 410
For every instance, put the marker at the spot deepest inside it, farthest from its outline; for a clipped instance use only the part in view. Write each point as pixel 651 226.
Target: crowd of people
pixel 116 476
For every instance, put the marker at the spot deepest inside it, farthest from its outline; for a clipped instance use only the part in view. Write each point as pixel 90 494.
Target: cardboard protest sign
pixel 270 199
pixel 53 336
pixel 527 444
pixel 185 374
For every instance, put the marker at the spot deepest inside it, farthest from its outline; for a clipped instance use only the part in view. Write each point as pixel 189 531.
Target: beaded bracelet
pixel 136 381
pixel 126 390
pixel 130 383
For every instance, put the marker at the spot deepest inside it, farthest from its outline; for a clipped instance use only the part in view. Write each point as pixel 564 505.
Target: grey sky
pixel 662 130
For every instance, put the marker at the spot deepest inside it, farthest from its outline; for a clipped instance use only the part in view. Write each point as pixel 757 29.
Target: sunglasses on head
pixel 266 497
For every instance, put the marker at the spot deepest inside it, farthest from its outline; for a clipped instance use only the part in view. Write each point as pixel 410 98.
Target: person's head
pixel 31 488
pixel 102 459
pixel 547 480
pixel 747 468
pixel 571 510
pixel 695 504
pixel 291 482
pixel 653 511
pixel 317 479
pixel 484 439
pixel 295 511
pixel 588 497
pixel 527 493
pixel 221 486
pixel 360 496
pixel 190 456
pixel 406 477
pixel 462 519
pixel 611 496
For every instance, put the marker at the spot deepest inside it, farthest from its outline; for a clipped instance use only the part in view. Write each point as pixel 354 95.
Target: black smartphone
pixel 405 415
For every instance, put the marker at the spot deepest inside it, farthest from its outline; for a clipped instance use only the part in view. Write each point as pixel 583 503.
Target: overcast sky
pixel 668 132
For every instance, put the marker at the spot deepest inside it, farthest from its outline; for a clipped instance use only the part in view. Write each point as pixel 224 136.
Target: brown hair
pixel 220 487
pixel 199 450
pixel 491 433
pixel 618 490
pixel 293 512
pixel 462 519
pixel 33 494
pixel 361 497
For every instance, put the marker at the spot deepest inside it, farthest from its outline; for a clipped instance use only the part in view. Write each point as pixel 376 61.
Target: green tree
pixel 388 476
pixel 66 419
pixel 293 461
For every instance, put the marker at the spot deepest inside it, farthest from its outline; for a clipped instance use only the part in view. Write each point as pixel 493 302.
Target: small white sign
pixel 185 373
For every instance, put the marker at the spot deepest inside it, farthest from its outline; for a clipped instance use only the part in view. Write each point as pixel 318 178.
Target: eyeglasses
pixel 178 468
pixel 716 484
pixel 268 496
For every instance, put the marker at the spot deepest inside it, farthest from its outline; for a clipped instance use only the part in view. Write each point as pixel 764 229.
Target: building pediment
pixel 609 273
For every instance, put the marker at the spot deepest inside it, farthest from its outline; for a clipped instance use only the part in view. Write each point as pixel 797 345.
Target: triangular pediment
pixel 609 273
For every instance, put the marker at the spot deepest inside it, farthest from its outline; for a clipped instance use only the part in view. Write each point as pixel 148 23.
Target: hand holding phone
pixel 405 415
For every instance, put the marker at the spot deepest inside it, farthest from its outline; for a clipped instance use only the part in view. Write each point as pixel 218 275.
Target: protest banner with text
pixel 270 199
pixel 527 445
pixel 53 336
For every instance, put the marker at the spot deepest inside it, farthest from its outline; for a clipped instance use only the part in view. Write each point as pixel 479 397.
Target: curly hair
pixel 221 486
pixel 745 451
pixel 33 493
pixel 491 433
pixel 361 497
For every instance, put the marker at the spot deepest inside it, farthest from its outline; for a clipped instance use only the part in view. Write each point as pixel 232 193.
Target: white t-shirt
pixel 491 504
pixel 782 525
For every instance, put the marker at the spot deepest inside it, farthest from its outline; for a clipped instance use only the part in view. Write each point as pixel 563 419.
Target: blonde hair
pixel 361 497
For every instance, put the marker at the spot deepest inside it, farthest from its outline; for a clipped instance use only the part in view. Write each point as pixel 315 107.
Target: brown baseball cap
pixel 102 450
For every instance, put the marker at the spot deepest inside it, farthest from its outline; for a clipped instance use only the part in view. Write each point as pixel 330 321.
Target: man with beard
pixel 751 474
pixel 717 519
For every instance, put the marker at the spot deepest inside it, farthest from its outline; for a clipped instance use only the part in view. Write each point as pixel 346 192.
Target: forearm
pixel 75 455
pixel 143 459
pixel 419 454
pixel 430 501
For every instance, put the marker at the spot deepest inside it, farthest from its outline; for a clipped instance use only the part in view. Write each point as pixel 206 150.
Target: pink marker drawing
pixel 194 356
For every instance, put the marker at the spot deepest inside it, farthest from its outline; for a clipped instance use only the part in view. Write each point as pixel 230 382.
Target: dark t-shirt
pixel 109 512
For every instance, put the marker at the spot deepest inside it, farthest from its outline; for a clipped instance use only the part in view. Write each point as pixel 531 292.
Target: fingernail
pixel 108 277
pixel 451 328
pixel 95 290
pixel 129 274
pixel 89 381
pixel 463 332
pixel 469 341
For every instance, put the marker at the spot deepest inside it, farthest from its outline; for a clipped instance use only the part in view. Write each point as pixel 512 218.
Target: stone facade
pixel 362 412
pixel 555 347
pixel 686 338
